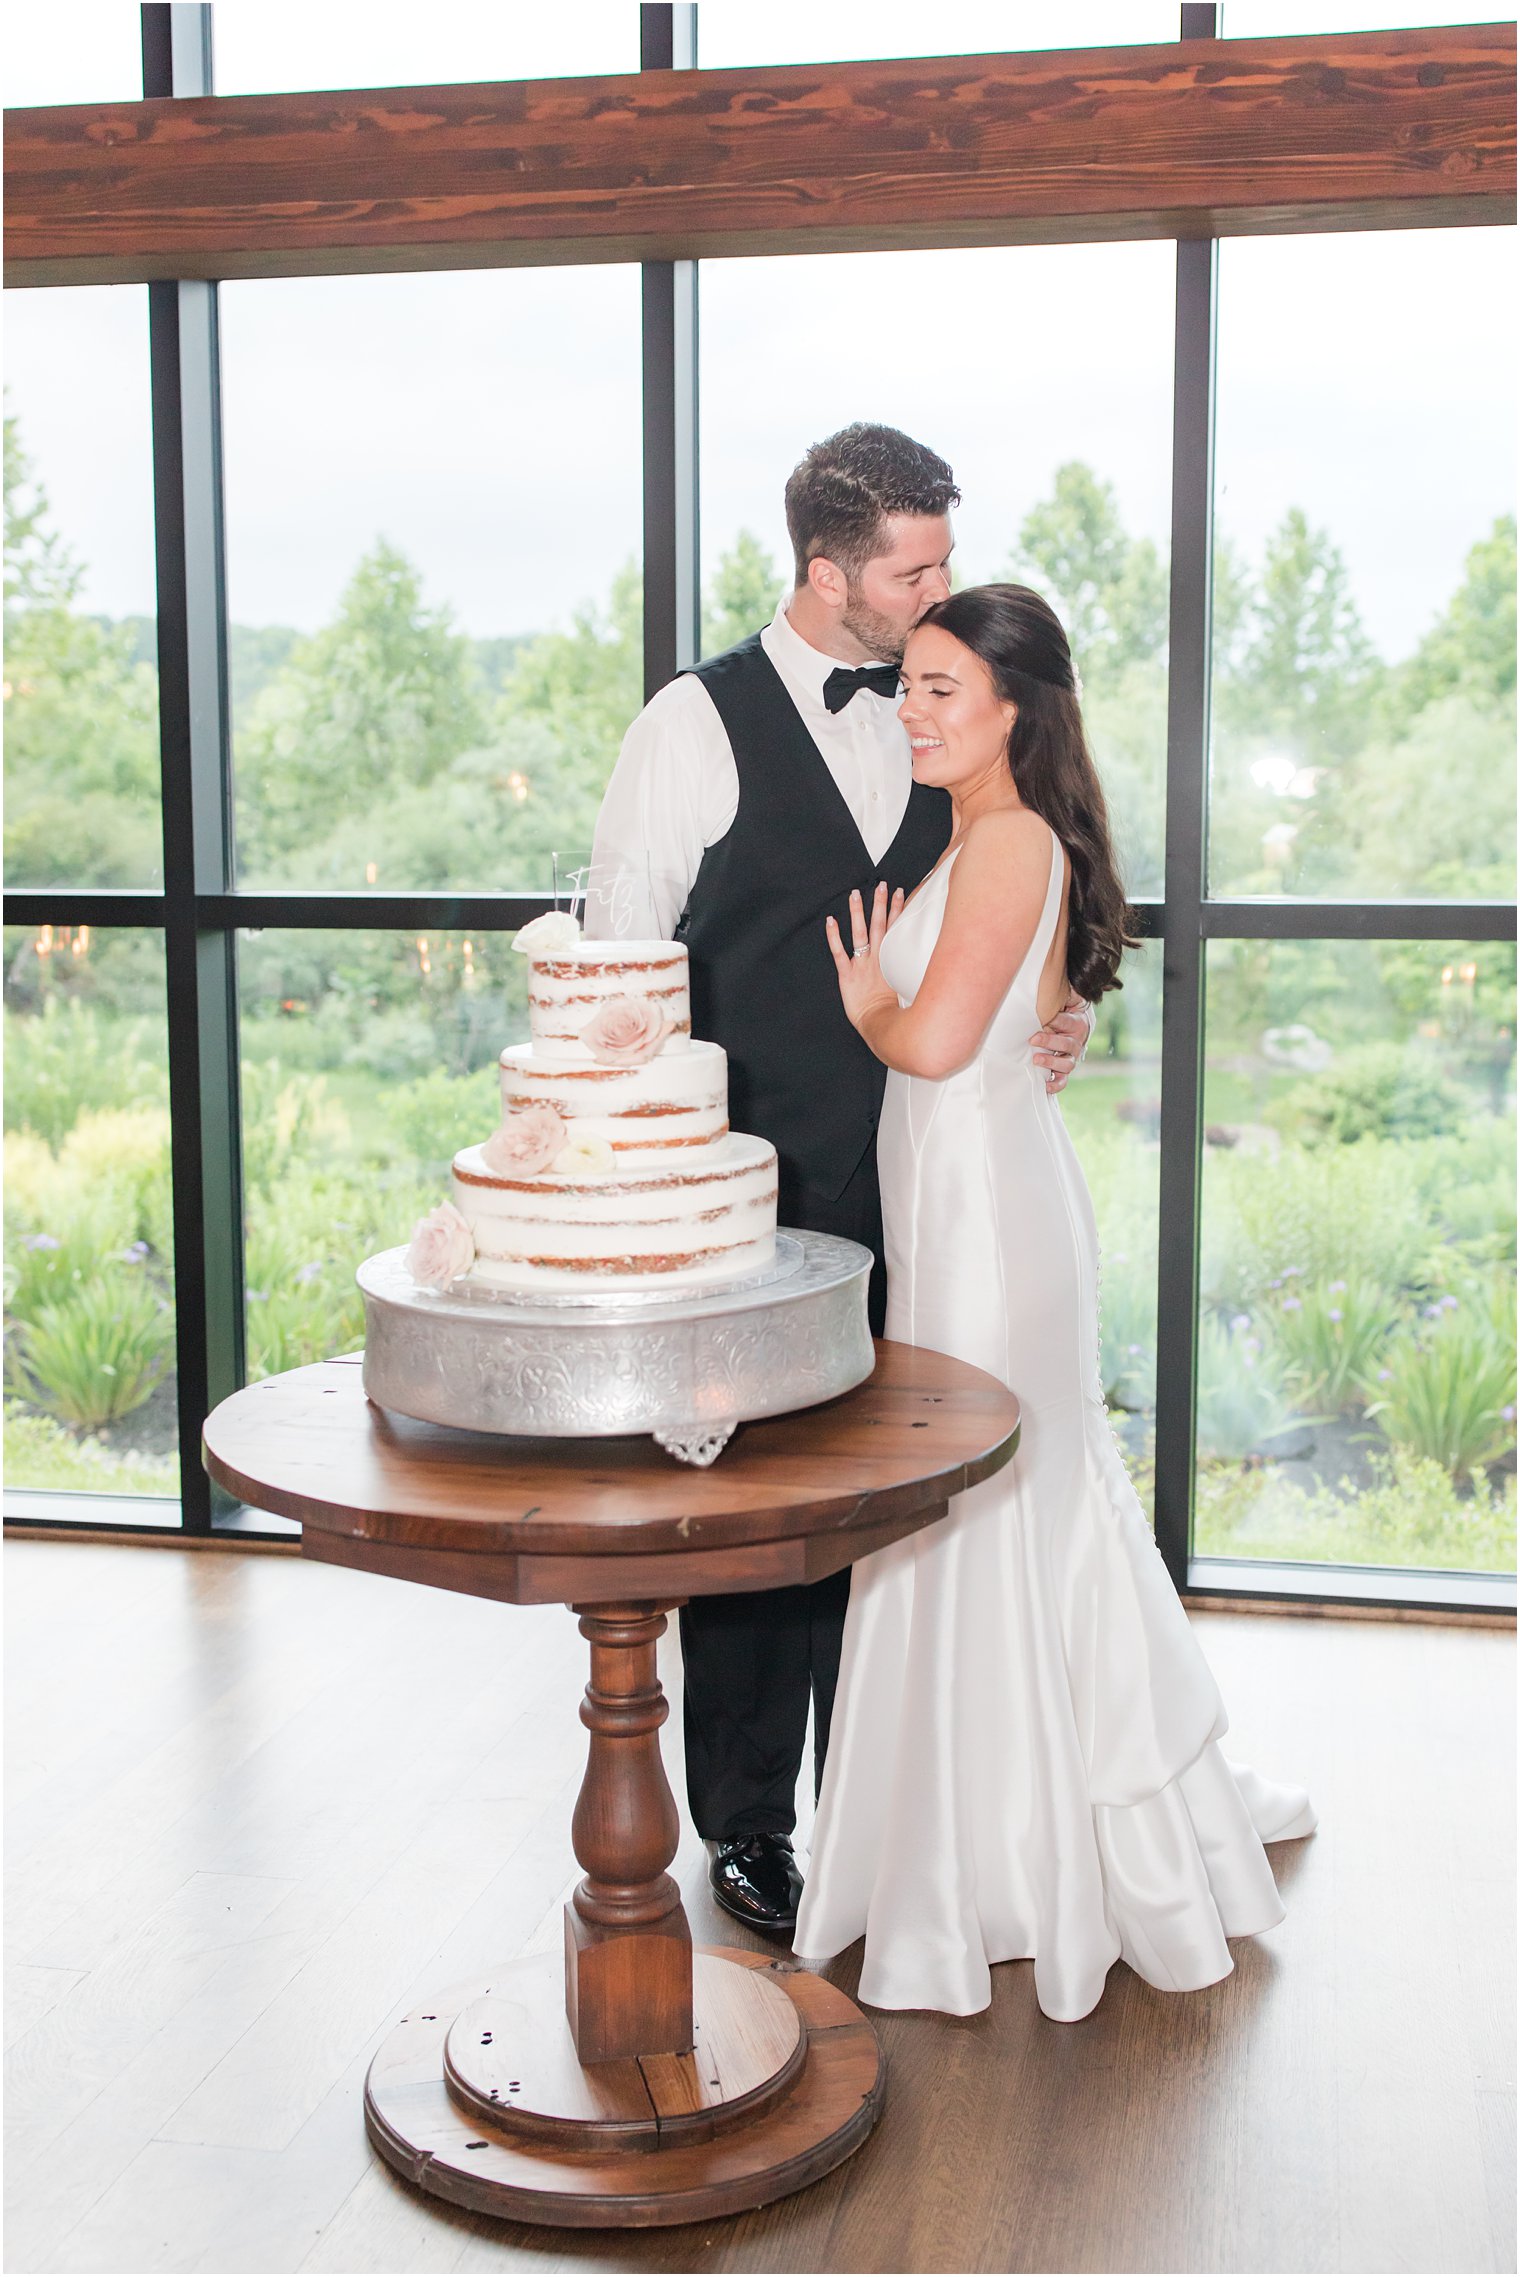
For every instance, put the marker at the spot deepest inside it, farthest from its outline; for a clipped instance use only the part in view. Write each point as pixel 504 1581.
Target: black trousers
pixel 755 1661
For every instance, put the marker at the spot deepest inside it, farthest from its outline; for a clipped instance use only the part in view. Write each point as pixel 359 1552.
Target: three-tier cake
pixel 613 1168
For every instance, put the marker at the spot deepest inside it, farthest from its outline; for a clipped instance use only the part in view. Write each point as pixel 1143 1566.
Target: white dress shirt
pixel 675 789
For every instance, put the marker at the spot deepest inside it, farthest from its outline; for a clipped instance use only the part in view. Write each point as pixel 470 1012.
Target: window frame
pixel 199 912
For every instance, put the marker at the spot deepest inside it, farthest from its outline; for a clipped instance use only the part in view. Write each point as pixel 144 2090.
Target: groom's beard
pixel 877 634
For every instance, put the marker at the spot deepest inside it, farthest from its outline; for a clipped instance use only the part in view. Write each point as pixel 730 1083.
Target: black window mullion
pixel 1182 968
pixel 197 808
pixel 1359 920
pixel 672 604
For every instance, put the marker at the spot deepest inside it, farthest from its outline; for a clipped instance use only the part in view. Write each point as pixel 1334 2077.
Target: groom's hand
pixel 1059 1048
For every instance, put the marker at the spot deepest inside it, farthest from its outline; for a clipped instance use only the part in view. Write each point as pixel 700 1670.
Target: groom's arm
pixel 1060 1048
pixel 673 793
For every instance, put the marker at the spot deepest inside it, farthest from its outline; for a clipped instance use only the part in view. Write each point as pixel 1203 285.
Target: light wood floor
pixel 257 1808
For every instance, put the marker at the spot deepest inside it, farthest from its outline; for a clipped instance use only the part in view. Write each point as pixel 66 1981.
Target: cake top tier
pixel 601 999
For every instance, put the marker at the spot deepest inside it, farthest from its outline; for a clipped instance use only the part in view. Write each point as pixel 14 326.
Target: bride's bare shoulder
pixel 1011 838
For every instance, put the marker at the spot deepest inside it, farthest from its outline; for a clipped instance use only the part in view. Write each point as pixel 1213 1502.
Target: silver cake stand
pixel 686 1367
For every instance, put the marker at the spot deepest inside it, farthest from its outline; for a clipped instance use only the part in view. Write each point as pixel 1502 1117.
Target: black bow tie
pixel 840 685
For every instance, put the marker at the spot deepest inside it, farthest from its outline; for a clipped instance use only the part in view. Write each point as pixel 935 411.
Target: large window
pixel 81 697
pixel 1357 1358
pixel 1356 1325
pixel 791 31
pixel 1063 455
pixel 1364 573
pixel 1270 19
pixel 438 504
pixel 369 1059
pixel 89 1241
pixel 285 44
pixel 1009 364
pixel 88 52
pixel 433 542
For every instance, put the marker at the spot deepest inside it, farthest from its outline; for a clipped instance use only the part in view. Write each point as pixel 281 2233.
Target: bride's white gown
pixel 1024 1760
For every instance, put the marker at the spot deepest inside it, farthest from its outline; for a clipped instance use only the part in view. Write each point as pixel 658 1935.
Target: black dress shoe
pixel 755 1878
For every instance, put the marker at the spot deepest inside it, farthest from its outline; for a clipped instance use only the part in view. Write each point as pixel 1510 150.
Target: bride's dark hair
pixel 1019 638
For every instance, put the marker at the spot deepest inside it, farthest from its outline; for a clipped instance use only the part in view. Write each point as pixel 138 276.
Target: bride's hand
pixel 860 978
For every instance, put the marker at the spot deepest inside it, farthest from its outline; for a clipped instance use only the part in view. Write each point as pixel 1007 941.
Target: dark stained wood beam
pixel 1193 138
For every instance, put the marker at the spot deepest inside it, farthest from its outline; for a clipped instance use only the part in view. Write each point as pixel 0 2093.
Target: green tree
pixel 741 594
pixel 1108 589
pixel 382 700
pixel 1470 649
pixel 1430 812
pixel 39 570
pixel 1306 669
pixel 1110 592
pixel 81 714
pixel 586 683
pixel 1230 605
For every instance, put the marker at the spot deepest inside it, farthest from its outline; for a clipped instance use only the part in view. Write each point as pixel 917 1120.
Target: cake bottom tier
pixel 712 1218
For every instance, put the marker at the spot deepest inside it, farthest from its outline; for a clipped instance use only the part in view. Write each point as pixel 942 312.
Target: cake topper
pixel 612 892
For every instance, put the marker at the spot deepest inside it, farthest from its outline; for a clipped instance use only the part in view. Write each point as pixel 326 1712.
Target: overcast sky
pixel 488 422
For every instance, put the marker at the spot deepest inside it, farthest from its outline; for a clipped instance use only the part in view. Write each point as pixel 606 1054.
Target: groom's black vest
pixel 763 983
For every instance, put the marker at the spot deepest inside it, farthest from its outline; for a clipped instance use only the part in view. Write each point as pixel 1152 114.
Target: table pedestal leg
pixel 644 2083
pixel 627 1942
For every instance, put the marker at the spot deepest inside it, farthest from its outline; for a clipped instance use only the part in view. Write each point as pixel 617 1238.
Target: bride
pixel 1025 1761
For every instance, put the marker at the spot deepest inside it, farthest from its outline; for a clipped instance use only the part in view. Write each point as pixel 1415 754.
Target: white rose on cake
pixel 442 1248
pixel 549 935
pixel 626 1032
pixel 526 1143
pixel 583 1157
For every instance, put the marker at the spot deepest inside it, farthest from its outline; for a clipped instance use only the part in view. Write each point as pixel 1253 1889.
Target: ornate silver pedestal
pixel 686 1366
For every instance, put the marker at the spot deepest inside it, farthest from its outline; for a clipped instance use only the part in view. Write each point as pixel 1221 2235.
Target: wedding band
pixel 862 952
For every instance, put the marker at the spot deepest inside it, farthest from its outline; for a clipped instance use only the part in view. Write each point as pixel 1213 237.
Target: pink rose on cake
pixel 526 1143
pixel 442 1248
pixel 626 1032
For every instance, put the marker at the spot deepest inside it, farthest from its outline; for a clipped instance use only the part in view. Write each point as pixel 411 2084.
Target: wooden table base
pixel 638 2081
pixel 482 2099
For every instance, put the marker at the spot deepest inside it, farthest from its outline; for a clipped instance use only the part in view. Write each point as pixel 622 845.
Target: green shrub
pixel 1244 1401
pixel 302 1303
pixel 306 1239
pixel 292 1327
pixel 70 1058
pixel 97 1354
pixel 1411 1515
pixel 43 1267
pixel 1352 1213
pixel 1447 1388
pixel 1380 1090
pixel 1128 1320
pixel 1329 1339
pixel 289 1125
pixel 41 1455
pixel 429 1120
pixel 104 1200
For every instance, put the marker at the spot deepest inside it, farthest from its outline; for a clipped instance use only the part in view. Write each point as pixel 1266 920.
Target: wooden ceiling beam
pixel 1191 138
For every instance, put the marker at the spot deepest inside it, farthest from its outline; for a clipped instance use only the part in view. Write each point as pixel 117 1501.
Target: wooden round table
pixel 643 2082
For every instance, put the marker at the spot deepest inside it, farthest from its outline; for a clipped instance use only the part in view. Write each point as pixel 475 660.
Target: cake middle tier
pixel 674 1103
pixel 685 1222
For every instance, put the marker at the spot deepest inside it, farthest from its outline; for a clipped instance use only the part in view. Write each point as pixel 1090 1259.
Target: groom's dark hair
pixel 846 488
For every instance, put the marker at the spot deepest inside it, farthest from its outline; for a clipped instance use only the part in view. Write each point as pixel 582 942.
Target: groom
pixel 751 796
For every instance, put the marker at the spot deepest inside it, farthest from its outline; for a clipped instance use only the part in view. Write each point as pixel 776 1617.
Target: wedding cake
pixel 613 1168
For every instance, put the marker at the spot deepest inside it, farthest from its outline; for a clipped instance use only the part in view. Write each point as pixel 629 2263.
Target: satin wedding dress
pixel 1024 1760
